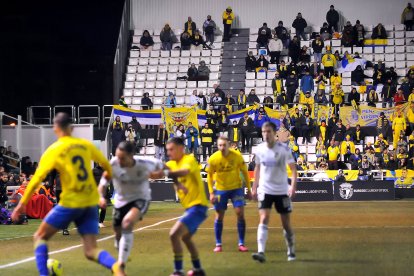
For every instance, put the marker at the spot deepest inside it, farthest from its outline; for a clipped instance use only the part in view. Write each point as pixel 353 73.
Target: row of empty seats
pixel 168 84
pixel 176 53
pixel 131 69
pixel 173 61
pixel 162 77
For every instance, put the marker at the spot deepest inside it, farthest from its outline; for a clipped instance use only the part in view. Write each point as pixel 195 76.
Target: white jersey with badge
pixel 132 183
pixel 273 175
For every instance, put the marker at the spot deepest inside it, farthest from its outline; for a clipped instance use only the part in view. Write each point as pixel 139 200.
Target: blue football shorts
pixel 222 197
pixel 86 219
pixel 193 217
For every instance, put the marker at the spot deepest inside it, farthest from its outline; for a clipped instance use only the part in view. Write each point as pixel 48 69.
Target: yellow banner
pixel 367 115
pixel 323 112
pixel 173 117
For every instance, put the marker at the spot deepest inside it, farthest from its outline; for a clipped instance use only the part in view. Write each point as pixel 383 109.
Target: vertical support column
pixel 1 126
pixel 19 135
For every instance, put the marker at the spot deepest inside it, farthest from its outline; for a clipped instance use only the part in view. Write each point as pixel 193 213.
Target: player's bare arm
pixel 256 181
pixel 292 189
pixel 210 183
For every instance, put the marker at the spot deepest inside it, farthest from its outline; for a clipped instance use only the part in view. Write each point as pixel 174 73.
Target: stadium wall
pixel 249 14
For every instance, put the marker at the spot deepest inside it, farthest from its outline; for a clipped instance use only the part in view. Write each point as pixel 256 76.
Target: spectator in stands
pixel 307 127
pixel 275 48
pixel 293 68
pixel 122 102
pixel 337 97
pixel 411 144
pixel 209 27
pixel 355 159
pixel 338 57
pixel 306 100
pixel 160 140
pixel 314 69
pixel 379 66
pixel 335 79
pixel 216 101
pixel 362 175
pixel 339 131
pixel 320 98
pixel 358 76
pixel 259 119
pixel 383 125
pixel 410 118
pixel 241 100
pixel 372 98
pixel 380 145
pixel 283 34
pixel 217 89
pixel 146 102
pixel 186 41
pixel 191 135
pixel 359 34
pixel 250 62
pixel 117 134
pixel 192 72
pixel 223 123
pixel 234 133
pixel 267 29
pixel 379 32
pixel 359 135
pixel 321 82
pixel 167 38
pixel 333 155
pixel 407 17
pixel 379 76
pixel 306 83
pixel 194 99
pixel 399 126
pixel 296 120
pixel 392 165
pixel 291 85
pixel 329 62
pixel 304 56
pixel 228 17
pixel 294 49
pixel 262 39
pixel 202 102
pixel 281 99
pixel 203 71
pixel 130 134
pixel 211 118
pixel 392 75
pixel 146 42
pixel 230 103
pixel 268 101
pixel 347 35
pixel 283 69
pixel 405 86
pixel 399 97
pixel 277 84
pixel 300 24
pixel 246 126
pixel 332 17
pixel 137 128
pixel 353 96
pixel 206 140
pixel 180 131
pixel 317 46
pixel 302 67
pixel 197 41
pixel 190 26
pixel 347 148
pixel 402 159
pixel 261 64
pixel 287 122
pixel 325 32
pixel 387 94
pixel 252 98
pixel 170 101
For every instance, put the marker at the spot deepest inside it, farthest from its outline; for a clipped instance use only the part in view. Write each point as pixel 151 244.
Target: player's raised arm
pixel 292 189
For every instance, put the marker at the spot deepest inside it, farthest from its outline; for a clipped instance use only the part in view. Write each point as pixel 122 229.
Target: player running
pixel 271 187
pixel 133 194
pixel 185 171
pixel 72 158
pixel 225 165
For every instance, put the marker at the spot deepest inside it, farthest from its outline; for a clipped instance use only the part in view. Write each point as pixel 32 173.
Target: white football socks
pixel 261 237
pixel 125 246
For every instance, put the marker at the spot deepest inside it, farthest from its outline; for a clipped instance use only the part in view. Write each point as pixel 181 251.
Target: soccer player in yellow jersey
pixel 185 171
pixel 72 158
pixel 225 165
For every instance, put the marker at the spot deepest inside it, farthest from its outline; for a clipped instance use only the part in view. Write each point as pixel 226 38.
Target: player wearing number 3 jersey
pixel 72 158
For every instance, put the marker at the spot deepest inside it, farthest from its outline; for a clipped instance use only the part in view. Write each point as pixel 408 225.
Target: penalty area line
pixel 26 260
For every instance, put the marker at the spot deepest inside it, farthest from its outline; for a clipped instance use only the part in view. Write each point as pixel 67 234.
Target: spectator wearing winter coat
pixel 277 84
pixel 353 96
pixel 228 17
pixel 283 34
pixel 281 99
pixel 209 27
pixel 325 32
pixel 197 41
pixel 291 85
pixel 246 125
pixel 387 93
pixel 283 69
pixel 185 40
pixel 407 17
pixel 170 101
pixel 275 48
pixel 329 62
pixel 306 83
pixel 262 40
pixel 294 49
pixel 250 62
pixel 190 26
pixel 167 38
pixel 379 32
pixel 191 135
pixel 252 98
pixel 192 72
pixel 332 17
pixel 320 98
pixel 203 71
pixel 300 24
pixel 146 42
pixel 259 119
pixel 359 34
pixel 267 29
pixel 392 75
pixel 314 69
pixel 347 35
pixel 317 46
pixel 372 98
pixel 146 102
pixel 358 76
pixel 262 62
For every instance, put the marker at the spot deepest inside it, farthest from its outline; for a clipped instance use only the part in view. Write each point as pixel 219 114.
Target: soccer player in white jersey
pixel 271 187
pixel 133 195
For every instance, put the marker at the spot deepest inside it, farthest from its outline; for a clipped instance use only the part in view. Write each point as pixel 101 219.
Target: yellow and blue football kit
pixel 195 200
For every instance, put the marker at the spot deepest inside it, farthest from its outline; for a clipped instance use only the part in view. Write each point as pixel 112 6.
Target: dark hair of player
pixel 176 140
pixel 62 120
pixel 126 147
pixel 271 125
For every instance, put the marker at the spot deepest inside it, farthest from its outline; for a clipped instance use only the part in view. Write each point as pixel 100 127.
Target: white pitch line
pixel 80 245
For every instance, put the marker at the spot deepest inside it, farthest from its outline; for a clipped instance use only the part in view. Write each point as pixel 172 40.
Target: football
pixel 55 267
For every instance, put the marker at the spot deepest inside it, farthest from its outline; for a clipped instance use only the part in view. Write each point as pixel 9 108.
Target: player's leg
pixel 195 259
pixel 176 233
pixel 289 236
pixel 238 203
pixel 40 238
pixel 265 205
pixel 220 206
pixel 127 237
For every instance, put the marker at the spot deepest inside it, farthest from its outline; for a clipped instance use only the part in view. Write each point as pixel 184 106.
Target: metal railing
pixel 43 109
pixel 96 109
pixel 65 108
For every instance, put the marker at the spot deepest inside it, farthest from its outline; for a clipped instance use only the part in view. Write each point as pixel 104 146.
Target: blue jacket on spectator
pixel 189 136
pixel 306 83
pixel 258 122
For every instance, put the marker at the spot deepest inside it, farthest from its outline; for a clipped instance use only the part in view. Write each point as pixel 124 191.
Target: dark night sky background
pixel 57 52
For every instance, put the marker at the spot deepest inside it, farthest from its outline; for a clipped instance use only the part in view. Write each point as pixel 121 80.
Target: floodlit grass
pixel 333 238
